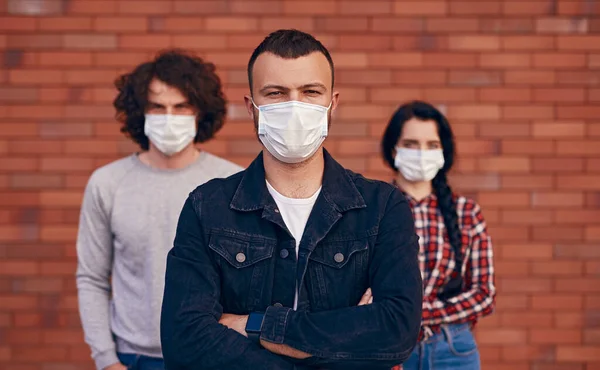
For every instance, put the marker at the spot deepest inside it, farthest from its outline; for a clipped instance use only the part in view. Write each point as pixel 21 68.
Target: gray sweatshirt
pixel 127 226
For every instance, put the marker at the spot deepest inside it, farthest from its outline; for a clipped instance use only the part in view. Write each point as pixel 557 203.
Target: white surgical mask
pixel 419 165
pixel 292 131
pixel 170 133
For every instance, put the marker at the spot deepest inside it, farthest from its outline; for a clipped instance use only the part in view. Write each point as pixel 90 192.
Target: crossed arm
pixel 238 323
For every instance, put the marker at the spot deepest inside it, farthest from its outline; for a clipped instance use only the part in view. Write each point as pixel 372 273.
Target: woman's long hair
pixel 446 202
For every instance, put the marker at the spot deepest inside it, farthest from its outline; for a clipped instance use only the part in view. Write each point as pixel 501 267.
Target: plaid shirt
pixel 437 263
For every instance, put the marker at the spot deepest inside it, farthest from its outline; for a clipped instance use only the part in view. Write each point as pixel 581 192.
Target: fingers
pixel 367 298
pixel 225 319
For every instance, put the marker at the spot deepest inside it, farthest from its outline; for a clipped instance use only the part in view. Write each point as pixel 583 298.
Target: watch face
pixel 254 322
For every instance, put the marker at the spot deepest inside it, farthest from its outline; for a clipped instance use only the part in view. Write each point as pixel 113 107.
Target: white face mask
pixel 170 133
pixel 292 131
pixel 419 165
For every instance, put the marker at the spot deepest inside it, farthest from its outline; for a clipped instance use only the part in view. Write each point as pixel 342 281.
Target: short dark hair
pixel 195 78
pixel 289 44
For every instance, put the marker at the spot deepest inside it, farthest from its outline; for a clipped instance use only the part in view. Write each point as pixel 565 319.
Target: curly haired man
pixel 131 206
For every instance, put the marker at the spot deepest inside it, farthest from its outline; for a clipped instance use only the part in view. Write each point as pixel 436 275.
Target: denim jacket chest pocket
pixel 337 274
pixel 244 261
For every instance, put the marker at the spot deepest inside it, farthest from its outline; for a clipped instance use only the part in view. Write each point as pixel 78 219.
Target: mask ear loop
pixel 261 129
pixel 325 130
pixel 330 104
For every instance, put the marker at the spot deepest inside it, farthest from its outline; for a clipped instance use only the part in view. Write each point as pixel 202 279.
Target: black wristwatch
pixel 254 326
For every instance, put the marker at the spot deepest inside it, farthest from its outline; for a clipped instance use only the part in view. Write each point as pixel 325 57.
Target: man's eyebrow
pixel 276 87
pixel 313 85
pixel 307 86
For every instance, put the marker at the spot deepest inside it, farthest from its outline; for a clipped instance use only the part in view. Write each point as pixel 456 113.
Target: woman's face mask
pixel 417 165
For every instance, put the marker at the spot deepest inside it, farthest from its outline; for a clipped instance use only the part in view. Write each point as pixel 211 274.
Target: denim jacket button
pixel 240 257
pixel 284 253
pixel 339 258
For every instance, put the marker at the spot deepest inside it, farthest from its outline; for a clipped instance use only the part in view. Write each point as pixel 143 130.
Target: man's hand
pixel 235 322
pixel 238 323
pixel 284 350
pixel 367 298
pixel 117 366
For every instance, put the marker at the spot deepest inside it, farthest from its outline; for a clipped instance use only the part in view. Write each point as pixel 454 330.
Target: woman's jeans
pixel 138 362
pixel 452 349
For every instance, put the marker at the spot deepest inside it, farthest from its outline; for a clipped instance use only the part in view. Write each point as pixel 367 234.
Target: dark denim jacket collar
pixel 338 188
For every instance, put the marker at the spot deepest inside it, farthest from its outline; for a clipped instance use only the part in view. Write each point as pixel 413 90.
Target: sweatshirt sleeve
pixel 94 264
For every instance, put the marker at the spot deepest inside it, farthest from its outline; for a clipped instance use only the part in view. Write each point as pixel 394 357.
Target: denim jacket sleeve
pixel 191 336
pixel 383 333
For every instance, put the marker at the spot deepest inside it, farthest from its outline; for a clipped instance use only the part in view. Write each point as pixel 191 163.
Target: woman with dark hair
pixel 455 256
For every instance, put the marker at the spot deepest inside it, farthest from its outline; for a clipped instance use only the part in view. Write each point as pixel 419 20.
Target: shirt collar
pixel 430 199
pixel 252 193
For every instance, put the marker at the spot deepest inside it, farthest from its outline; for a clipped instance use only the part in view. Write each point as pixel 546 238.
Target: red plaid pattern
pixel 437 263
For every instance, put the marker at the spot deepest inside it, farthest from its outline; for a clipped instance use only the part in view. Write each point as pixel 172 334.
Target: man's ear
pixel 335 99
pixel 249 106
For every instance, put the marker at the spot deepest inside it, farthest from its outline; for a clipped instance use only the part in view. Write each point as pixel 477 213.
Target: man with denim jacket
pixel 269 266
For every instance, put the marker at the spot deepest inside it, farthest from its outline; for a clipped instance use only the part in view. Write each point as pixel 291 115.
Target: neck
pixel 299 180
pixel 154 158
pixel 417 190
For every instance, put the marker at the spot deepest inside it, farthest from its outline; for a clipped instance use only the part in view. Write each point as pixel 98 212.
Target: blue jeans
pixel 139 362
pixel 452 349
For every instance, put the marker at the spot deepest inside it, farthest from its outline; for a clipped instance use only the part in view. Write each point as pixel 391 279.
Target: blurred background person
pixel 130 207
pixel 456 257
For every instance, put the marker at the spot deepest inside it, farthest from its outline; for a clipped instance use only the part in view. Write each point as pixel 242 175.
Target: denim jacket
pixel 234 254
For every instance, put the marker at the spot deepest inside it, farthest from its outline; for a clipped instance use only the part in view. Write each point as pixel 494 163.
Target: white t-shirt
pixel 295 213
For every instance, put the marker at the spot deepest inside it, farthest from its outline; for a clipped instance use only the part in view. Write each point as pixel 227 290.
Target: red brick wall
pixel 519 80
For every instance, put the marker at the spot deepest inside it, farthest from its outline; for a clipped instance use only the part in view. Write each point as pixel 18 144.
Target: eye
pixel 313 92
pixel 155 108
pixel 274 93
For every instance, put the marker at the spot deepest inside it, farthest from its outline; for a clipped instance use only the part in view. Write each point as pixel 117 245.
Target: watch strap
pixel 254 336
